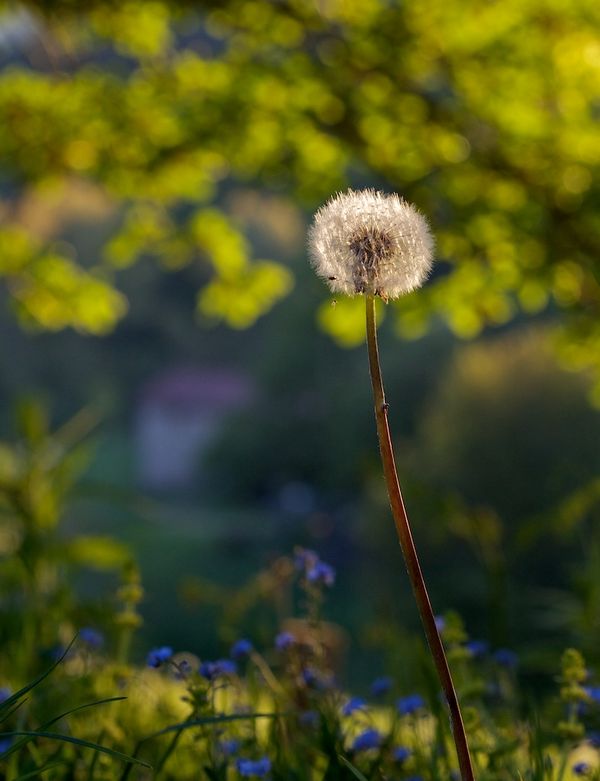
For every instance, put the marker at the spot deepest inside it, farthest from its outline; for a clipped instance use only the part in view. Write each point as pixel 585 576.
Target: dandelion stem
pixel 408 547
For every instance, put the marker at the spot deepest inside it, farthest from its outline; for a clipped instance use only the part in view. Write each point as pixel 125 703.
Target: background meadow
pixel 183 403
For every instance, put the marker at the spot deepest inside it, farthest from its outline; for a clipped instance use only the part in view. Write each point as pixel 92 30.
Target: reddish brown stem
pixel 408 548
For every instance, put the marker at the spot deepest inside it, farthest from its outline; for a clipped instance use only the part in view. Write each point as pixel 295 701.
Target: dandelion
pixel 377 244
pixel 370 242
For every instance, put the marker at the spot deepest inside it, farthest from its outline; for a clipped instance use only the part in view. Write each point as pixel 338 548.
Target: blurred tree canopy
pixel 483 114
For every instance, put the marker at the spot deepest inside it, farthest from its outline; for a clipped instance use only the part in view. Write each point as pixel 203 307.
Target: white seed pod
pixel 371 242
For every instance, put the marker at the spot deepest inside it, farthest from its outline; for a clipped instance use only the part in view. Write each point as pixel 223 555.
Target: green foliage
pixel 37 475
pixel 483 115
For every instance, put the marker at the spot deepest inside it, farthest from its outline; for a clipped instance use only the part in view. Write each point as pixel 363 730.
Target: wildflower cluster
pixel 277 711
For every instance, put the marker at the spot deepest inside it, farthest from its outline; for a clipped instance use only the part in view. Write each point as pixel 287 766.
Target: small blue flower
pixel 593 692
pixel 309 676
pixel 158 656
pixel 5 744
pixel 91 637
pixel 5 693
pixel 440 623
pixel 321 573
pixel 506 658
pixel 254 767
pixel 477 648
pixel 304 559
pixel 314 679
pixel 381 686
pixel 182 669
pixel 593 739
pixel 401 754
pixel 218 669
pixel 284 640
pixel 353 704
pixel 309 718
pixel 581 769
pixel 241 649
pixel 229 747
pixel 409 705
pixel 370 738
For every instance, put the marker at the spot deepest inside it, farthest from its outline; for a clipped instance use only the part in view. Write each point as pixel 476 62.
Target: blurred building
pixel 180 412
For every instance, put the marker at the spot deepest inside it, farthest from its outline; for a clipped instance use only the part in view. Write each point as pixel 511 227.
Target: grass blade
pixel 354 770
pixel 76 741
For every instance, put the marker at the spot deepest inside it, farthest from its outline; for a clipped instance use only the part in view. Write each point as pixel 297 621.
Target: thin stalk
pixel 408 548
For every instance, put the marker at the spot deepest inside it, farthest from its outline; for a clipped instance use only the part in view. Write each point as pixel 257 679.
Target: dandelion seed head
pixel 370 242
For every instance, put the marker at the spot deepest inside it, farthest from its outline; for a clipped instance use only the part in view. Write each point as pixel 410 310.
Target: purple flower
pixel 241 649
pixel 321 573
pixel 581 768
pixel 309 718
pixel 401 754
pixel 506 658
pixel 229 747
pixel 5 693
pixel 477 648
pixel 218 669
pixel 314 679
pixel 353 704
pixel 284 640
pixel 593 739
pixel 304 559
pixel 409 705
pixel 381 686
pixel 370 738
pixel 440 623
pixel 5 744
pixel 593 692
pixel 158 656
pixel 253 767
pixel 91 637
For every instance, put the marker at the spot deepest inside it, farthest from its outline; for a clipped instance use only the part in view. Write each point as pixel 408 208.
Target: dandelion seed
pixel 370 242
